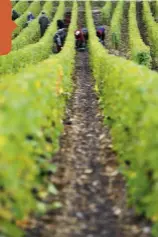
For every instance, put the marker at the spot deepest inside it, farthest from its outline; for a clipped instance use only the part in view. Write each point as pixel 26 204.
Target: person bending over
pixel 59 39
pixel 100 32
pixel 30 18
pixel 80 39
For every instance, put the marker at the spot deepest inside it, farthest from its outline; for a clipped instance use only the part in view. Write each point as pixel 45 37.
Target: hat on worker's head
pixel 77 32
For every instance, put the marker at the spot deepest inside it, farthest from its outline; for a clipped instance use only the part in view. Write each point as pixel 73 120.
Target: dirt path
pixel 85 150
pixel 97 17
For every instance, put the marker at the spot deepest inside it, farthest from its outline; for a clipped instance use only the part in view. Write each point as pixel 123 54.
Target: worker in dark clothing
pixel 100 32
pixel 44 23
pixel 85 33
pixel 15 15
pixel 30 17
pixel 60 24
pixel 80 40
pixel 81 36
pixel 59 39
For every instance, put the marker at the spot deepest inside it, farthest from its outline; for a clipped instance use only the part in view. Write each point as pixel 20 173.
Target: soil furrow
pixel 85 150
pixel 141 25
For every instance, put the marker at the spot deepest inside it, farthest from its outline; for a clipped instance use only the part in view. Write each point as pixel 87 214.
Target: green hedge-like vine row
pixel 32 53
pixel 31 34
pixel 139 52
pixel 156 9
pixel 35 8
pixel 21 7
pixel 32 108
pixel 13 3
pixel 152 30
pixel 106 12
pixel 128 96
pixel 115 27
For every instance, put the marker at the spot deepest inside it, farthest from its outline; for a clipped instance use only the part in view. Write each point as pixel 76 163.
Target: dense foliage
pixel 35 8
pixel 128 97
pixel 106 12
pixel 115 25
pixel 32 53
pixel 139 52
pixel 21 6
pixel 33 100
pixel 152 29
pixel 31 34
pixel 32 105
